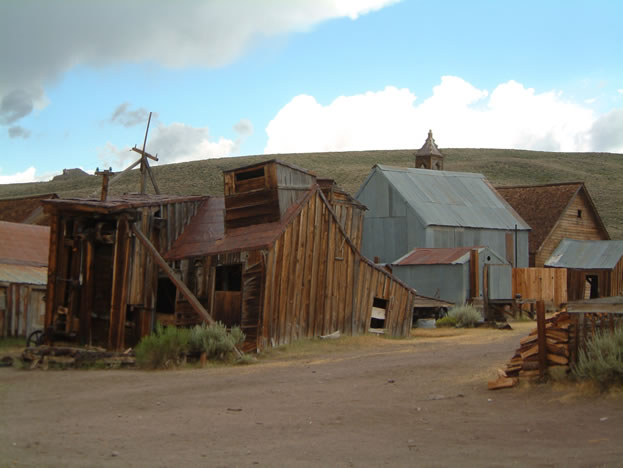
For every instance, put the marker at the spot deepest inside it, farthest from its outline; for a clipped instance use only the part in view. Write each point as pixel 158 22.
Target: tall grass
pixel 601 361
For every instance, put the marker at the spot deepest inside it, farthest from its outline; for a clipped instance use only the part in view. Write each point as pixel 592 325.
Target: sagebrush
pixel 170 346
pixel 601 360
pixel 465 316
pixel 445 322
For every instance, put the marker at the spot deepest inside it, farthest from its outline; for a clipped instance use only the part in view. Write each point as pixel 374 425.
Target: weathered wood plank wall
pixel 542 284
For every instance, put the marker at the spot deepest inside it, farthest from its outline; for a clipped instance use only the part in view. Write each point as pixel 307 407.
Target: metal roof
pixel 24 244
pixel 445 198
pixel 23 274
pixel 586 254
pixel 439 256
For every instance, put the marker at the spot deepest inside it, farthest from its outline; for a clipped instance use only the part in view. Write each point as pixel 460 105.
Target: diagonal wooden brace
pixel 187 293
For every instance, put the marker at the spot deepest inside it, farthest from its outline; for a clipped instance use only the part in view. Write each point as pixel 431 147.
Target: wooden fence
pixel 541 284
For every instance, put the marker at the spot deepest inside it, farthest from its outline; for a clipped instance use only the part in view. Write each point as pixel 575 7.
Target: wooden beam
pixel 151 176
pixel 541 338
pixel 144 153
pixel 182 288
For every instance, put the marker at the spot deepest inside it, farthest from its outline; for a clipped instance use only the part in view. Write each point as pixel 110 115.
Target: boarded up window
pixel 379 308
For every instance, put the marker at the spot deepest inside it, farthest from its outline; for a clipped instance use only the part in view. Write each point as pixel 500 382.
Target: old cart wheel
pixel 35 338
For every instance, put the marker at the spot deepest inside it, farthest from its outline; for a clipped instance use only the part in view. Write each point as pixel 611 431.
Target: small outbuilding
pixel 594 268
pixel 451 274
pixel 23 277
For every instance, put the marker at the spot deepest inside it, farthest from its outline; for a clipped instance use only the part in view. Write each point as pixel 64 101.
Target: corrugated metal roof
pixel 23 274
pixel 586 255
pixel 24 244
pixel 440 256
pixel 444 198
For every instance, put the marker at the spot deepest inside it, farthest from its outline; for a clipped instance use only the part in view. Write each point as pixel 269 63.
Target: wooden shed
pixel 275 257
pixel 103 287
pixel 594 268
pixel 26 210
pixel 555 212
pixel 23 277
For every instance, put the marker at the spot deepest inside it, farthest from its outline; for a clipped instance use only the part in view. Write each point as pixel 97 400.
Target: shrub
pixel 214 340
pixel 465 316
pixel 166 347
pixel 446 322
pixel 601 361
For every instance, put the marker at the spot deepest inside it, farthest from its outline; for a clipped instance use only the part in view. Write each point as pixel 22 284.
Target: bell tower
pixel 429 156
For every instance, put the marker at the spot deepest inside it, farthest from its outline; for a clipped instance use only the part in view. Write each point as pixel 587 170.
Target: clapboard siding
pixel 570 226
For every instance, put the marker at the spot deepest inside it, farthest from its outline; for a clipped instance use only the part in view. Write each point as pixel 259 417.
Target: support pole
pixel 541 338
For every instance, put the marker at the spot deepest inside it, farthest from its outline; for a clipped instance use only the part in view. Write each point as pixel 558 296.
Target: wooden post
pixel 118 301
pixel 541 337
pixel 474 274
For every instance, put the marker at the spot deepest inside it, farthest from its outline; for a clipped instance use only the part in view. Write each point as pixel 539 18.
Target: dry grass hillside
pixel 602 173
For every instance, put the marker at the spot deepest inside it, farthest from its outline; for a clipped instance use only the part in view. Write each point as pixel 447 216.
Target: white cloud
pixel 460 115
pixel 620 91
pixel 19 178
pixel 41 39
pixel 172 143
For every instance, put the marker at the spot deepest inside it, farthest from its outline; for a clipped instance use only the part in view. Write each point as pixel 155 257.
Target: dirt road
pixel 417 402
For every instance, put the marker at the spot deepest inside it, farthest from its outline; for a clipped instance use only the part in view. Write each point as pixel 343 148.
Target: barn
pixel 555 212
pixel 594 268
pixel 278 255
pixel 409 208
pixel 23 277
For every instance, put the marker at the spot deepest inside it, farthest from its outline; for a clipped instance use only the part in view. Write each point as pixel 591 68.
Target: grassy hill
pixel 602 173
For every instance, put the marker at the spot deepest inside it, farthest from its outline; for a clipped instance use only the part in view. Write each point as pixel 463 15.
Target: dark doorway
pixel 593 281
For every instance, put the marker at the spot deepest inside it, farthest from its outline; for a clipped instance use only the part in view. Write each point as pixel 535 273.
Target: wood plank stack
pixel 525 361
pixel 44 356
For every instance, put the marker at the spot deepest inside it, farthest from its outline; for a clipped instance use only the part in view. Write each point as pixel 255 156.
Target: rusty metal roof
pixel 586 254
pixel 205 235
pixel 23 274
pixel 119 203
pixel 439 256
pixel 24 244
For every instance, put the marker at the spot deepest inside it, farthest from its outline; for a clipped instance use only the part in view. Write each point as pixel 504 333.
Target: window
pixel 377 319
pixel 253 174
pixel 579 213
pixel 228 278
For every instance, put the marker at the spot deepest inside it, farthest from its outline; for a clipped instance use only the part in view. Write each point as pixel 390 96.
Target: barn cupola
pixel 263 192
pixel 429 156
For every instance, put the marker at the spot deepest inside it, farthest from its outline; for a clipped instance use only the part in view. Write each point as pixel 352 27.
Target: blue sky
pixel 240 77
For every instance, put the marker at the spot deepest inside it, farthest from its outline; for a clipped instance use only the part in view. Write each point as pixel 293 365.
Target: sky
pixel 240 77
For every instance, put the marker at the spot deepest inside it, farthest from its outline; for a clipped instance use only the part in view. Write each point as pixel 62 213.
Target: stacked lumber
pixel 44 356
pixel 525 361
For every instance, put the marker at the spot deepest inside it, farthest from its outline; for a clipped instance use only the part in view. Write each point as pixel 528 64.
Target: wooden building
pixel 104 287
pixel 555 212
pixel 23 277
pixel 279 256
pixel 594 268
pixel 26 210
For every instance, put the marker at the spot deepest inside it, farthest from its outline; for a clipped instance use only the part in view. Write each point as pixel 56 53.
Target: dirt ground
pixel 360 402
